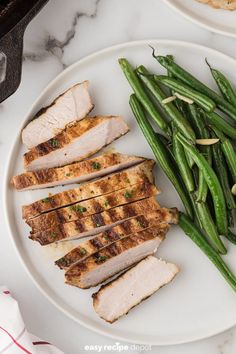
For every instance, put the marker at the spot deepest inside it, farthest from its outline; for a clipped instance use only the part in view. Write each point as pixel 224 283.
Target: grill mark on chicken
pixel 98 220
pixel 124 229
pixel 74 275
pixel 90 224
pixel 93 206
pixel 90 190
pixel 82 171
pixel 45 154
pixel 79 226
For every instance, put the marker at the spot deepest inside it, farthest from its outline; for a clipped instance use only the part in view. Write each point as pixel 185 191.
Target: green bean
pixel 179 120
pixel 176 85
pixel 182 107
pixel 228 151
pixel 212 182
pixel 198 121
pixel 141 94
pixel 209 227
pixel 196 236
pixel 182 163
pixel 190 80
pixel 216 120
pixel 221 170
pixel 224 85
pixel 160 152
pixel 231 237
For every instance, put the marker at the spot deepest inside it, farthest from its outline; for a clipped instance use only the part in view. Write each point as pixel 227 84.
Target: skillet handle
pixel 11 49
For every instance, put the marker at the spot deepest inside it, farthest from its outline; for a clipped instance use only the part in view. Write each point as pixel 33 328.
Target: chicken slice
pixel 118 297
pixel 114 258
pixel 75 173
pixel 73 105
pixel 102 186
pixel 92 206
pixel 94 224
pixel 95 244
pixel 75 142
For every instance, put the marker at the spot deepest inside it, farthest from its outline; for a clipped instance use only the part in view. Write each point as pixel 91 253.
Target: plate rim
pixel 6 190
pixel 197 22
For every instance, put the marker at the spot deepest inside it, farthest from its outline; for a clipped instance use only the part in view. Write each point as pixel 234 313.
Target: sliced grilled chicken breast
pixel 92 206
pixel 114 258
pixel 221 4
pixel 111 183
pixel 95 244
pixel 72 105
pixel 118 297
pixel 75 142
pixel 75 173
pixel 94 224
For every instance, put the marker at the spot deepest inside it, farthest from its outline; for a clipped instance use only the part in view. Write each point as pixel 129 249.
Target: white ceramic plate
pixel 198 303
pixel 216 20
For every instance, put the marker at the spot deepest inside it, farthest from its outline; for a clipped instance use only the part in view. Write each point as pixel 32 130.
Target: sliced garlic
pixel 168 99
pixel 184 98
pixel 206 141
pixel 233 189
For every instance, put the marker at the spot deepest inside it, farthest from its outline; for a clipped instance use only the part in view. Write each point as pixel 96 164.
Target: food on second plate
pixel 88 247
pixel 73 105
pixel 116 257
pixel 119 296
pixel 105 185
pixel 92 206
pixel 221 4
pixel 75 142
pixel 94 224
pixel 74 173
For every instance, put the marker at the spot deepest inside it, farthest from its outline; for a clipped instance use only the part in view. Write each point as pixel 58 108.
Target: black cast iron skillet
pixel 14 17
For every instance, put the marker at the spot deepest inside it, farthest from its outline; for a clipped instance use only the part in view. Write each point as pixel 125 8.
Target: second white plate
pixel 198 303
pixel 216 20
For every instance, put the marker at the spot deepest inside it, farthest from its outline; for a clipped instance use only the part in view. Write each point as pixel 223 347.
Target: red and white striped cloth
pixel 14 338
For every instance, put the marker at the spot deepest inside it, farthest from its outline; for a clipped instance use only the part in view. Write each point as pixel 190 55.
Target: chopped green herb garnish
pixel 78 208
pixel 127 180
pixel 67 174
pixel 63 261
pixel 101 259
pixel 53 235
pixel 106 203
pixel 141 223
pixel 128 195
pixel 46 200
pixel 83 251
pixel 96 165
pixel 54 143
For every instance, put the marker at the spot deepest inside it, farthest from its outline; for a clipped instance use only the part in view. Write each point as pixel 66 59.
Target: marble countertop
pixel 61 34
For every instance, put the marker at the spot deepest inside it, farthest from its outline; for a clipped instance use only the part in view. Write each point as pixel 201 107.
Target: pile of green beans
pixel 202 170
